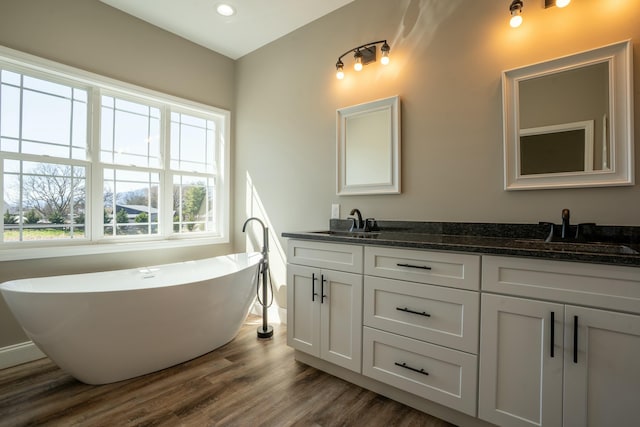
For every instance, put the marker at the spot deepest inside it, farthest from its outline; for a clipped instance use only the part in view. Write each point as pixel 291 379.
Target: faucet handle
pixel 551 225
pixel 370 224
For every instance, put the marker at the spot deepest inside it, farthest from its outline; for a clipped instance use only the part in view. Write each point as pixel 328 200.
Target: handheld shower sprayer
pixel 266 330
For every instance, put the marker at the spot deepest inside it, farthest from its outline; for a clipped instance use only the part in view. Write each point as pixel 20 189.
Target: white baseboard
pixel 18 354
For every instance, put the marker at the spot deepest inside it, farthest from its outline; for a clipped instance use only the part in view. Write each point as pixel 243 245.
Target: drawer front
pixel 596 285
pixel 436 268
pixel 445 376
pixel 440 315
pixel 333 256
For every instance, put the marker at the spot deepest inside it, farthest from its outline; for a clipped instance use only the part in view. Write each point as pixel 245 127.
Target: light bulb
pixel 515 21
pixel 358 58
pixel 562 3
pixel 515 9
pixel 339 70
pixel 385 53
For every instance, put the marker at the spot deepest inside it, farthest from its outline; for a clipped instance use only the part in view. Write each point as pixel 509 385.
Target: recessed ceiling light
pixel 225 9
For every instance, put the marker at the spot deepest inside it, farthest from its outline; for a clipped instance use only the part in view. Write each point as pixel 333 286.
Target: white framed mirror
pixel 368 148
pixel 568 122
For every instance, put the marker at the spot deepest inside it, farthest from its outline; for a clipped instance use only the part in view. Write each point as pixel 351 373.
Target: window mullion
pixel 96 168
pixel 166 177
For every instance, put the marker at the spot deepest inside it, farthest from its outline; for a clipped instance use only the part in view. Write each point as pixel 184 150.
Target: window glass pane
pixel 130 202
pixel 79 131
pixel 10 77
pixel 130 135
pixel 9 145
pixel 193 204
pixel 10 111
pixel 46 118
pixel 80 95
pixel 192 144
pixel 47 200
pixel 47 87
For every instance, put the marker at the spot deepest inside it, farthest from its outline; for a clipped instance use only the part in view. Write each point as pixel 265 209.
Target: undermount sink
pixel 590 247
pixel 358 234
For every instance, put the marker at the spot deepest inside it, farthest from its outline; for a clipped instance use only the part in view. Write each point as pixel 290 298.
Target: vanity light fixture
pixel 515 9
pixel 363 55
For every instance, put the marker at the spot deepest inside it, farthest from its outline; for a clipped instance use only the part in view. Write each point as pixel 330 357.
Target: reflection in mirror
pixel 368 141
pixel 568 121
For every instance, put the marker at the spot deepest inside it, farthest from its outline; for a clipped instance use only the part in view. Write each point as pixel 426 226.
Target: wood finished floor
pixel 245 383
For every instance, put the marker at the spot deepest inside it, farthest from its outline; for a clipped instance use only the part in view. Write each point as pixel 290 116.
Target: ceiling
pixel 255 24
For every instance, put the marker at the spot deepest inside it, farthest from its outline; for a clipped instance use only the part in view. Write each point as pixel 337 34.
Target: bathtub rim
pixel 34 285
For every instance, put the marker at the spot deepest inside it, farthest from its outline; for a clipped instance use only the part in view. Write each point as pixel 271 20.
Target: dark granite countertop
pixel 615 245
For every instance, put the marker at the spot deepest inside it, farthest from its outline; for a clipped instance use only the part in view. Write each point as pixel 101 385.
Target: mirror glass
pixel 368 141
pixel 568 121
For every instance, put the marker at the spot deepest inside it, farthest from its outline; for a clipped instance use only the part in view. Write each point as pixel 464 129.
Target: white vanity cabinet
pixel 420 333
pixel 556 362
pixel 324 293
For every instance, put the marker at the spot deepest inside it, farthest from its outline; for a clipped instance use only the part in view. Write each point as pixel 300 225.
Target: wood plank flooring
pixel 248 382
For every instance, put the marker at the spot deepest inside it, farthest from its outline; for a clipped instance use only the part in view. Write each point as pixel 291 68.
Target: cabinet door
pixel 520 376
pixel 341 318
pixel 602 379
pixel 303 308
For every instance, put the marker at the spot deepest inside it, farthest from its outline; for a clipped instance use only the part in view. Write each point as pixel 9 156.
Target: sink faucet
pixel 356 225
pixel 566 224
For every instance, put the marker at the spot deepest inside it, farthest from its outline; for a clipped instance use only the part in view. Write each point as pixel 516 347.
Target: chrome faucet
pixel 359 224
pixel 566 224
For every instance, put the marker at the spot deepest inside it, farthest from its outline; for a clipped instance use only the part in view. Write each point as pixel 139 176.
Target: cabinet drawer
pixel 437 268
pixel 605 286
pixel 443 316
pixel 448 377
pixel 333 256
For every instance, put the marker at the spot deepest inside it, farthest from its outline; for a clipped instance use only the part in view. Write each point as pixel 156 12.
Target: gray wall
pixel 89 35
pixel 446 61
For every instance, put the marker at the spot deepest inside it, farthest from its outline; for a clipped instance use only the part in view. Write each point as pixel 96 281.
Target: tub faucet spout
pixel 265 235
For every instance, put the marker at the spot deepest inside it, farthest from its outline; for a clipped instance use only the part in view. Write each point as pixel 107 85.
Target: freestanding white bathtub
pixel 111 326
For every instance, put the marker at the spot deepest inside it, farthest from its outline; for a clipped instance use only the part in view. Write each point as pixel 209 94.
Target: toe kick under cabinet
pixel 421 314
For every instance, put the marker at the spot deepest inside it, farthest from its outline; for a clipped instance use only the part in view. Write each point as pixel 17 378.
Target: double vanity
pixel 477 324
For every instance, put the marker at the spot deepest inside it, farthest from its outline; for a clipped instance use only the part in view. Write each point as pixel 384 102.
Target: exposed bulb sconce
pixel 516 13
pixel 557 3
pixel 363 55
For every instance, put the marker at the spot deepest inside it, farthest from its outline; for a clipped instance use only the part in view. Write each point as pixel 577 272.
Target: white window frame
pixel 96 242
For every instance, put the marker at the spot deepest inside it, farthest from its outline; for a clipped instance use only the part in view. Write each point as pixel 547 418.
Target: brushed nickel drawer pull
pixel 421 267
pixel 407 310
pixel 404 365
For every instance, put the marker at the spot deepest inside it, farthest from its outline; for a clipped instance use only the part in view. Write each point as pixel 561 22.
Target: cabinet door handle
pixel 553 331
pixel 314 294
pixel 405 366
pixel 407 310
pixel 322 282
pixel 575 339
pixel 421 267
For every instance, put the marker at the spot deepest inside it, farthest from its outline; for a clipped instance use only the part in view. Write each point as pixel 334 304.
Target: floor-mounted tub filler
pixel 114 325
